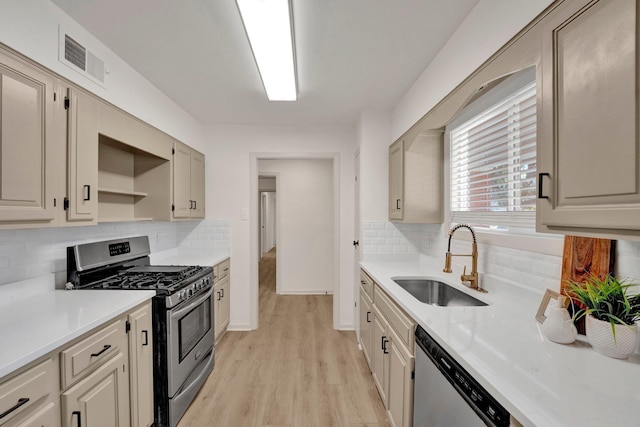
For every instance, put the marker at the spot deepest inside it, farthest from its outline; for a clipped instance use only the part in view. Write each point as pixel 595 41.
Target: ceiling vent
pixel 78 57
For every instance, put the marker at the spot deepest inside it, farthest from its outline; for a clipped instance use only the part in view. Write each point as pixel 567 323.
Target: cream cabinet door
pixel 101 399
pixel 83 113
pixel 27 142
pixel 380 370
pixel 588 134
pixel 396 179
pixel 181 181
pixel 366 327
pixel 197 184
pixel 141 366
pixel 400 397
pixel 221 314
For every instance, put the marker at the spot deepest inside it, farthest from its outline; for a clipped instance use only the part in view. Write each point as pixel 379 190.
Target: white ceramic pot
pixel 601 338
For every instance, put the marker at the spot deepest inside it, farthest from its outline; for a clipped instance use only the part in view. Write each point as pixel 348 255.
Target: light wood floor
pixel 295 370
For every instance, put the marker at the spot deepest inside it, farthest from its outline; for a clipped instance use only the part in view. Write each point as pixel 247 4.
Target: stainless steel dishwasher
pixel 445 395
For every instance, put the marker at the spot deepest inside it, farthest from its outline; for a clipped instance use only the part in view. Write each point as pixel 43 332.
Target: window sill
pixel 538 242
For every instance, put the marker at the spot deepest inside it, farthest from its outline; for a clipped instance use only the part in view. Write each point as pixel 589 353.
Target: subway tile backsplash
pixel 35 252
pixel 387 241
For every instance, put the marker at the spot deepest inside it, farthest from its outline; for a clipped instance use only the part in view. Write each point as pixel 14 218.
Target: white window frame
pixel 530 240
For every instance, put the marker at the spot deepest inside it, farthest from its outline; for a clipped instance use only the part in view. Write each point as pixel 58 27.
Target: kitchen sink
pixel 435 292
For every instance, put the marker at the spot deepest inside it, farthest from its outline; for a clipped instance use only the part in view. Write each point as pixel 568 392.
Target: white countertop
pixel 33 326
pixel 36 319
pixel 189 256
pixel 539 382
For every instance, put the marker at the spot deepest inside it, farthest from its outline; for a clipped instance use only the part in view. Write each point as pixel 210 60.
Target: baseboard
pixel 347 327
pixel 240 327
pixel 306 292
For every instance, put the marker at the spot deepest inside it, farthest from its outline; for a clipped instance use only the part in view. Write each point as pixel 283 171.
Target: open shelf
pixel 133 185
pixel 123 192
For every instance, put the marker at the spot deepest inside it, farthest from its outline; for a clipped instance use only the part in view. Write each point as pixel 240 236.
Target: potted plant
pixel 611 314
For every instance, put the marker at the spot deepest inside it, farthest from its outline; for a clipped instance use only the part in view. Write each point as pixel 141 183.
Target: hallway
pixel 295 370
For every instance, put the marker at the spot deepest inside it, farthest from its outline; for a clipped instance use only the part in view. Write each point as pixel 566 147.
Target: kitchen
pixel 32 28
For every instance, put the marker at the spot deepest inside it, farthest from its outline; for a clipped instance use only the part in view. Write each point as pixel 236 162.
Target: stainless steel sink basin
pixel 434 292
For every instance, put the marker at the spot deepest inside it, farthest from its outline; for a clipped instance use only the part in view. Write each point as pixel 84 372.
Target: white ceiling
pixel 352 55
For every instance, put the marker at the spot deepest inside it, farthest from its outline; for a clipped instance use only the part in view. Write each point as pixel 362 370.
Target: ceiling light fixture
pixel 269 27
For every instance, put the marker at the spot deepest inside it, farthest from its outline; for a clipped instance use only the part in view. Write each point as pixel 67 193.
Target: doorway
pixel 305 227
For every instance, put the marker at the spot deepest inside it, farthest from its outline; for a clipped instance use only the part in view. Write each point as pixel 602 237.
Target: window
pixel 493 158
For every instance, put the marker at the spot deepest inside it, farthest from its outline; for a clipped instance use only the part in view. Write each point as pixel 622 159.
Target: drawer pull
pixel 145 336
pixel 384 345
pixel 219 296
pixel 79 417
pixel 105 348
pixel 368 320
pixel 21 401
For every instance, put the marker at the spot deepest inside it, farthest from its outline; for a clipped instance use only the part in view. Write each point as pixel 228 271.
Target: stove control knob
pixel 198 286
pixel 190 292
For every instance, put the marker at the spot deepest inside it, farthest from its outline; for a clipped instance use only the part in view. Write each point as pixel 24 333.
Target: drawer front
pixel 367 284
pixel 86 355
pixel 222 269
pixel 47 416
pixel 403 325
pixel 23 391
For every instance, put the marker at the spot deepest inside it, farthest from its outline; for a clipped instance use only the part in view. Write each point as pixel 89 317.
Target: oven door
pixel 190 337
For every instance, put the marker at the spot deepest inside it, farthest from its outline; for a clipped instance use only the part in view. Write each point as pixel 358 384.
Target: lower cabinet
pixel 30 398
pixel 141 366
pixel 101 379
pixel 221 310
pixel 366 325
pixel 101 399
pixel 380 360
pixel 386 337
pixel 400 387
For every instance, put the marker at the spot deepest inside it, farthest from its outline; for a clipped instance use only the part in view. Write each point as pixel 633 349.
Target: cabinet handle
pixel 362 282
pixel 384 345
pixel 145 336
pixel 21 401
pixel 222 290
pixel 219 296
pixel 398 204
pixel 105 348
pixel 79 417
pixel 368 320
pixel 87 192
pixel 540 175
pixel 195 204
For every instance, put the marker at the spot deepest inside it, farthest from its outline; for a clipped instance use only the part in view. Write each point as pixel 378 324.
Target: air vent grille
pixel 75 53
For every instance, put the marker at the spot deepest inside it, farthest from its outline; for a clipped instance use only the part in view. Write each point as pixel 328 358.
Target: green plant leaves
pixel 606 299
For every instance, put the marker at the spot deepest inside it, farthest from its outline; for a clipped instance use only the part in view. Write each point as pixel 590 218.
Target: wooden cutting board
pixel 582 257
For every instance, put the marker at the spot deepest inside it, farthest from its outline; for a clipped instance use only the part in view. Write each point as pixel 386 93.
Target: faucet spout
pixel 472 278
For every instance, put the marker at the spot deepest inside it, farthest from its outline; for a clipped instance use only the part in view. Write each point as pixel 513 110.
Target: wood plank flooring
pixel 295 370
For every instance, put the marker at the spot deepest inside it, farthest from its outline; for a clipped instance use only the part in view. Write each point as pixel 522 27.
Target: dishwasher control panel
pixel 488 408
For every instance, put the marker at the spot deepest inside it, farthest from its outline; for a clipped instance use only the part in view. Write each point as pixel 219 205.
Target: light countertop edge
pixel 35 326
pixel 539 382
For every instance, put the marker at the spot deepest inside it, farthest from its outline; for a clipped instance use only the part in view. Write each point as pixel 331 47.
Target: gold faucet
pixel 473 277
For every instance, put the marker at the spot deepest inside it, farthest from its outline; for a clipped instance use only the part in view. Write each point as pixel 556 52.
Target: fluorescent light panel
pixel 268 26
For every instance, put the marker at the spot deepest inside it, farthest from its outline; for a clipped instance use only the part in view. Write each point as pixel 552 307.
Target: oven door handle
pixel 179 313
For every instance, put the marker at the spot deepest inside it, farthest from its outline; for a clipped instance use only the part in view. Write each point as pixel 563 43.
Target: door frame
pixel 255 227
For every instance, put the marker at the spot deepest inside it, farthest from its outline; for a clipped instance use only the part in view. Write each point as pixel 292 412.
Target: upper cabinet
pixel 416 178
pixel 28 143
pixel 69 158
pixel 588 143
pixel 188 182
pixel 83 115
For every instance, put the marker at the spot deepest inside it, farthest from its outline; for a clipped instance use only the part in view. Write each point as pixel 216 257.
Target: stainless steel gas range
pixel 182 313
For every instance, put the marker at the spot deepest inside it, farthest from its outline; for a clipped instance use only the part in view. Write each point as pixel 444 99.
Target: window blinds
pixel 493 164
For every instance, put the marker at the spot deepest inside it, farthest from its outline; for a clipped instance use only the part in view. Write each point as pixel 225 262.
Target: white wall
pixel 490 25
pixel 374 138
pixel 31 28
pixel 229 190
pixel 305 224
